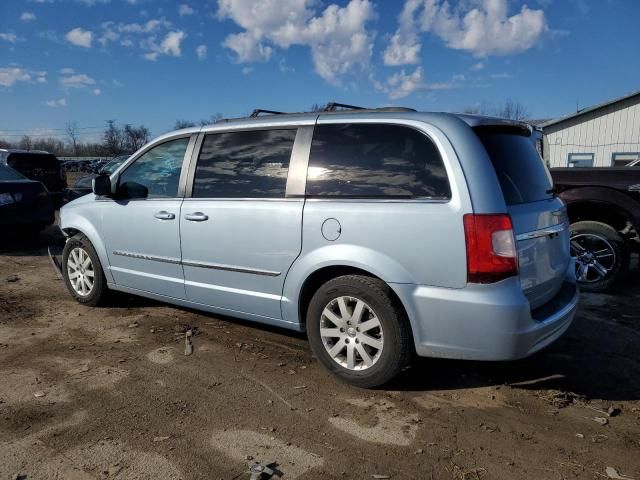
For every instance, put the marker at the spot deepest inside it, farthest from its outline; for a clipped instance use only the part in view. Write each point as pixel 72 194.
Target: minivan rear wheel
pixel 602 257
pixel 82 271
pixel 358 330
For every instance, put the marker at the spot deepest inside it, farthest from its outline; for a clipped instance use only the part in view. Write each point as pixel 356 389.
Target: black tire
pixel 619 264
pixel 99 291
pixel 397 348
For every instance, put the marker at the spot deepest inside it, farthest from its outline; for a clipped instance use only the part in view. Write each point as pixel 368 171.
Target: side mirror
pixel 101 185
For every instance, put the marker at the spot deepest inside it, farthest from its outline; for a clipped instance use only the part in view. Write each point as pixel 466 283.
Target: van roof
pixel 373 113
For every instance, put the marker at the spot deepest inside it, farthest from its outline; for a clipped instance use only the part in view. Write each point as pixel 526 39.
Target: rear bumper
pixel 20 214
pixel 485 322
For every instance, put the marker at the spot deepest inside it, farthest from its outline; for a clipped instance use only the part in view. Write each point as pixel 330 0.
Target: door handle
pixel 164 215
pixel 196 217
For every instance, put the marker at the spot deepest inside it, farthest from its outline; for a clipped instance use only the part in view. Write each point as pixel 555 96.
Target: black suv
pixel 40 166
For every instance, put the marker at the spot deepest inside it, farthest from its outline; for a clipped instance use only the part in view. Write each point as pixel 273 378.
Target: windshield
pixel 7 173
pixel 113 165
pixel 520 170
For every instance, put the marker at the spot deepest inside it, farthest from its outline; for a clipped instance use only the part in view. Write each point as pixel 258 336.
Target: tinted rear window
pixel 33 160
pixel 375 160
pixel 7 173
pixel 520 170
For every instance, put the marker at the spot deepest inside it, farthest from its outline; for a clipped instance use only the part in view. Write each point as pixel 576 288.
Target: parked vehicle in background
pixel 82 186
pixel 381 232
pixel 604 209
pixel 40 166
pixel 25 205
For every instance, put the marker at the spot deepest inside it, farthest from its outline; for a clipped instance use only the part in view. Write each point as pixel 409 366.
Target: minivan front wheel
pixel 82 271
pixel 358 331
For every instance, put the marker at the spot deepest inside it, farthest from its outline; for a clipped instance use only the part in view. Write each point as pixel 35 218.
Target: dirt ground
pixel 102 393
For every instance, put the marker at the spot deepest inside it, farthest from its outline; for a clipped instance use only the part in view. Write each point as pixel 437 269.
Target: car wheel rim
pixel 594 255
pixel 351 333
pixel 80 271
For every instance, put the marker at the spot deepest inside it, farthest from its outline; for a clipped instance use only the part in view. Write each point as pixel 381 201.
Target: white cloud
pixel 185 10
pixel 401 84
pixel 9 37
pixel 27 16
pixel 96 91
pixel 247 70
pixel 61 102
pixel 501 76
pixel 91 3
pixel 66 71
pixel 170 45
pixel 404 47
pixel 337 37
pixel 476 67
pixel 80 37
pixel 11 75
pixel 481 27
pixel 201 52
pixel 78 80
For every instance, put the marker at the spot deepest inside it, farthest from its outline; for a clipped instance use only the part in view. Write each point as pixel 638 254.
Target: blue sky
pixel 152 62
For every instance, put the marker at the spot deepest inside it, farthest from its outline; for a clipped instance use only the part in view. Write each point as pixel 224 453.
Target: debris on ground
pixel 380 477
pixel 263 471
pixel 613 473
pixel 188 345
pixel 489 427
pixel 39 394
pixel 600 420
pixel 113 470
pixel 13 278
pixel 561 399
pixel 160 439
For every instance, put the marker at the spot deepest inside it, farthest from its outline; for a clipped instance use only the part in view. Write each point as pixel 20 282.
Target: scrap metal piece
pixel 188 346
pixel 263 471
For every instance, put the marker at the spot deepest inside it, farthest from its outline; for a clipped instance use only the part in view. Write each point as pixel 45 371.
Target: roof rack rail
pixel 258 111
pixel 332 106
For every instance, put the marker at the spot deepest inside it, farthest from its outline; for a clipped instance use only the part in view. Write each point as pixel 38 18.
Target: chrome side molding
pixel 188 263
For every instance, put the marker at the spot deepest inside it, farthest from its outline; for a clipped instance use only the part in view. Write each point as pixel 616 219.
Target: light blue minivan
pixel 384 233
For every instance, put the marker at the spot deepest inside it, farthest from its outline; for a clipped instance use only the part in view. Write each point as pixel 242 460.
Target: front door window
pixel 158 169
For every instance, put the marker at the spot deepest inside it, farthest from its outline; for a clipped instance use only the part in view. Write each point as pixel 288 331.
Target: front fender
pixel 363 258
pixel 73 221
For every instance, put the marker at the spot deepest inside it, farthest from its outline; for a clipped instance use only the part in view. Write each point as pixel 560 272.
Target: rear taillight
pixel 491 248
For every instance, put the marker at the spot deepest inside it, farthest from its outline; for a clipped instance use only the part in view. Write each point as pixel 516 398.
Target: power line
pixel 47 135
pixel 50 129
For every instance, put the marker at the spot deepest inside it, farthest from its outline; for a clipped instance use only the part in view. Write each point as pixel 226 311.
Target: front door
pixel 239 233
pixel 142 234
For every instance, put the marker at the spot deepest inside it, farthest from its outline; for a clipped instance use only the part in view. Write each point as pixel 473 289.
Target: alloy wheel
pixel 80 271
pixel 351 333
pixel 594 255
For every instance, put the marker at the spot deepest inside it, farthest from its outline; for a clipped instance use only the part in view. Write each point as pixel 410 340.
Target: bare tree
pixel 112 139
pixel 510 109
pixel 180 124
pixel 26 143
pixel 135 137
pixel 215 118
pixel 72 133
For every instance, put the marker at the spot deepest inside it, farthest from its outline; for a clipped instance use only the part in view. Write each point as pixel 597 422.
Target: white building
pixel 601 136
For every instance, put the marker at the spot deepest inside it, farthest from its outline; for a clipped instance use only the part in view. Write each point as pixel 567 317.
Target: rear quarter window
pixel 519 168
pixel 366 160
